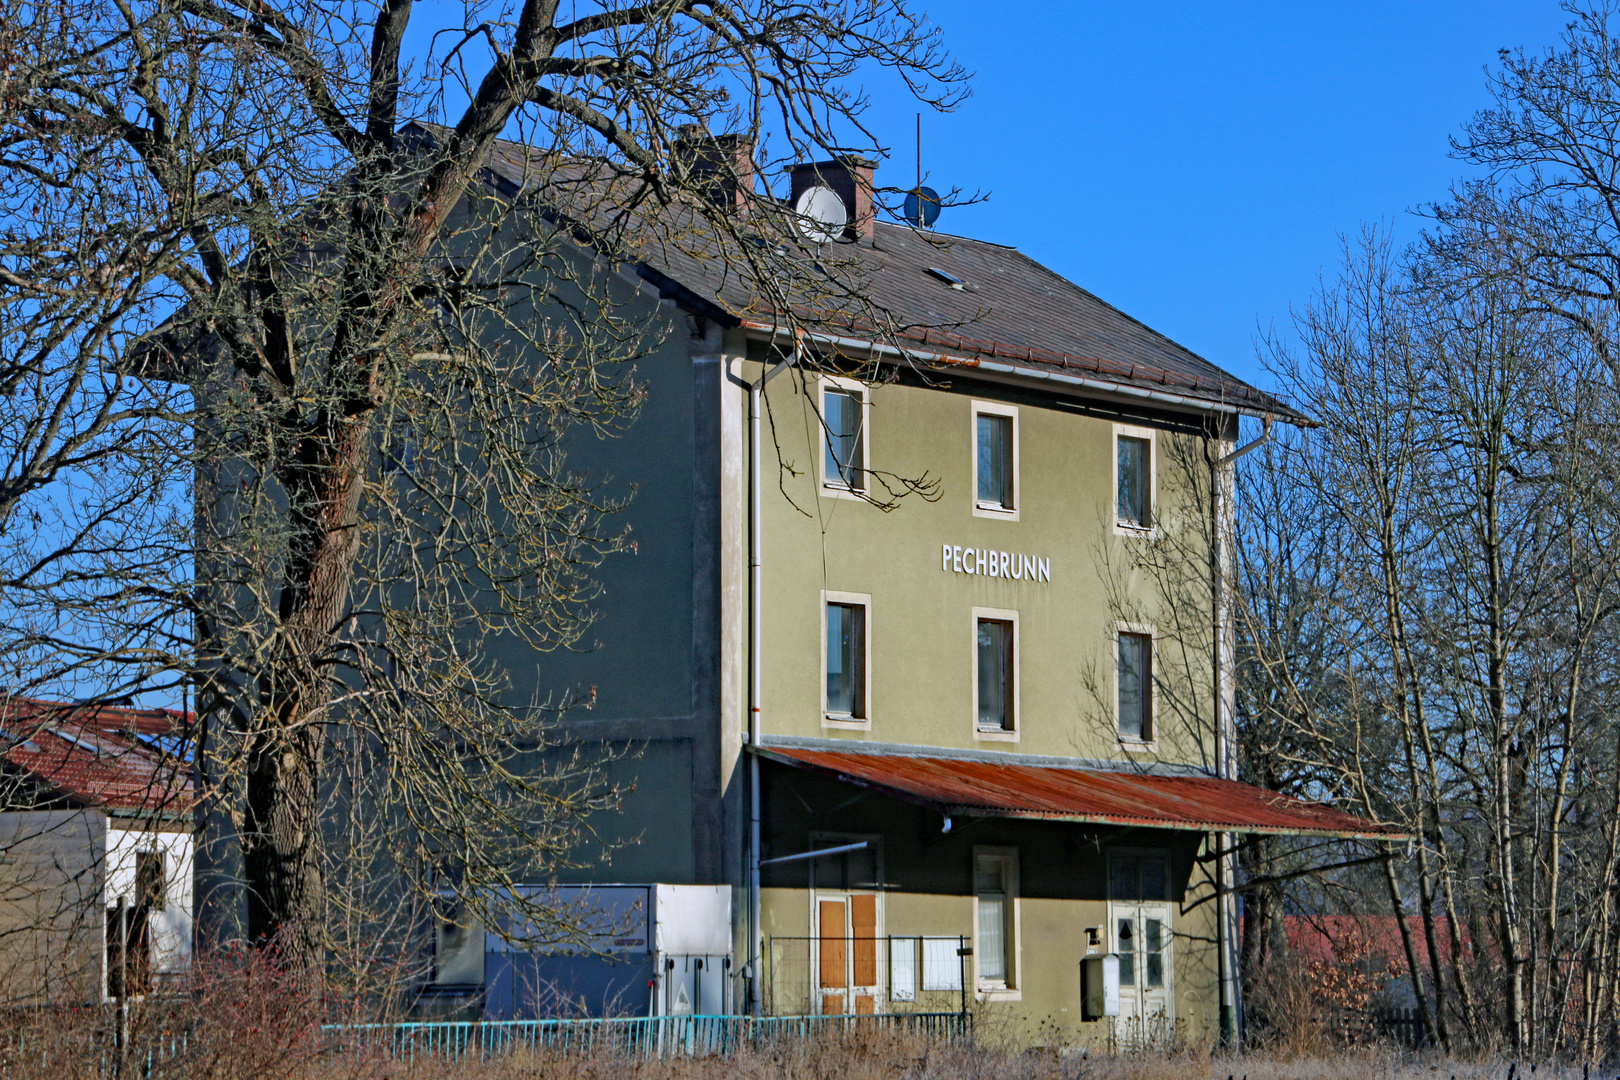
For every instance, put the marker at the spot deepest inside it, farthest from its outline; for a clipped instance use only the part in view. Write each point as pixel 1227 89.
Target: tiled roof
pixel 107 756
pixel 1009 307
pixel 1013 790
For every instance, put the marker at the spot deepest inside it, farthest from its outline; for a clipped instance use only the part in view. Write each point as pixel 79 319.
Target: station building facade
pixel 922 652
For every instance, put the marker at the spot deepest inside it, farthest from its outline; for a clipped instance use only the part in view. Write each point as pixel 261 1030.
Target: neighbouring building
pixel 96 846
pixel 945 754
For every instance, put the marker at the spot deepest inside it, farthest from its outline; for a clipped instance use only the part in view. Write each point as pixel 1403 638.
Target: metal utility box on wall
pixel 692 943
pixel 652 950
pixel 1099 986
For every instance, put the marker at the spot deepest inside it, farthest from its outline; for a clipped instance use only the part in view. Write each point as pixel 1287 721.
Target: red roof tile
pixel 94 755
pixel 1055 793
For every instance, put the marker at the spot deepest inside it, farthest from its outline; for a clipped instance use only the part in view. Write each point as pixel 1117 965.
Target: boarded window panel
pixel 865 1005
pixel 942 967
pixel 863 929
pixel 833 945
pixel 903 968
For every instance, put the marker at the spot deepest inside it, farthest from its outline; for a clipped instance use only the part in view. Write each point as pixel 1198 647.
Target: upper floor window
pixel 1135 686
pixel 995 459
pixel 1133 478
pixel 846 659
pixel 995 674
pixel 843 412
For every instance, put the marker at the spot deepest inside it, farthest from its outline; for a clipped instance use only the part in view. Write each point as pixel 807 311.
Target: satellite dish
pixel 822 215
pixel 922 207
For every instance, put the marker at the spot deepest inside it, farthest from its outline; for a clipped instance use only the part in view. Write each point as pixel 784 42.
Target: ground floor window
pixel 995 875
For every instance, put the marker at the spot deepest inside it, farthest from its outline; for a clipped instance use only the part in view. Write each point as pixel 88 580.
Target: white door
pixel 1142 941
pixel 1142 936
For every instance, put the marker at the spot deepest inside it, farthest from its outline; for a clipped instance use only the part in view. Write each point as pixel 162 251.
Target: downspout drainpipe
pixel 1225 736
pixel 755 672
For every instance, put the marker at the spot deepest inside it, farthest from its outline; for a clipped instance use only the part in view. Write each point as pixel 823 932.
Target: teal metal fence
pixel 646 1037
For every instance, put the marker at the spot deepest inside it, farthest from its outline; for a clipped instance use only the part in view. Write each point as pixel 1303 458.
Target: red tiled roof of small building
pixel 111 757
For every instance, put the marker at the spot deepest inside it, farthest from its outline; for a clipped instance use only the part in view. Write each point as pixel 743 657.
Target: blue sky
pixel 1196 164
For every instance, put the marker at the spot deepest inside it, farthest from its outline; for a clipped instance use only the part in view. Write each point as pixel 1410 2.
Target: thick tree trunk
pixel 281 844
pixel 281 838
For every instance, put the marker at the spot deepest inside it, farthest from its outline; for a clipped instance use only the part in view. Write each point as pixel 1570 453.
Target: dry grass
pixel 63 1050
pixel 245 1022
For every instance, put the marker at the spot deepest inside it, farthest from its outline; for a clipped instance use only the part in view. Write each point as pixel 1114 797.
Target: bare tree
pixel 254 255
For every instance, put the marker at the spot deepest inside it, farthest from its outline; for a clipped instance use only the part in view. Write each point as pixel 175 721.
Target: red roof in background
pixel 1057 793
pixel 94 755
pixel 1315 937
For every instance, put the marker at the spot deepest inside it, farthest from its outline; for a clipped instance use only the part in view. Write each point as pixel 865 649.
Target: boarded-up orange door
pixel 832 956
pixel 863 933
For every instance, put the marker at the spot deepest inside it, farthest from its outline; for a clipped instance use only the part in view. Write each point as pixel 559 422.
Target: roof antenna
pixel 922 204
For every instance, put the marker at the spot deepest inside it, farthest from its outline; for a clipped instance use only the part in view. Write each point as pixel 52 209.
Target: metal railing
pixel 890 974
pixel 173 1056
pixel 644 1037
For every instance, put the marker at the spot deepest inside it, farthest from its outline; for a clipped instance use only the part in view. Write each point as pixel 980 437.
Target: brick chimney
pixel 851 179
pixel 721 167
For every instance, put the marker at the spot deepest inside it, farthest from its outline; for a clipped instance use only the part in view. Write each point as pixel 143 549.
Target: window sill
pixel 1138 746
pixel 847 723
pixel 1140 532
pixel 998 993
pixel 842 491
pixel 995 734
pixel 995 511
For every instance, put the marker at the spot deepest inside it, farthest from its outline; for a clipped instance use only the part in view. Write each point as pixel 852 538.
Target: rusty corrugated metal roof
pixel 1054 793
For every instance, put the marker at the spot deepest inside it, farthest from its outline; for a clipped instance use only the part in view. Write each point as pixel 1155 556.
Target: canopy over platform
pixel 977 788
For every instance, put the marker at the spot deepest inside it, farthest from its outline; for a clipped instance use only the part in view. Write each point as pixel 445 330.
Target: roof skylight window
pixel 950 279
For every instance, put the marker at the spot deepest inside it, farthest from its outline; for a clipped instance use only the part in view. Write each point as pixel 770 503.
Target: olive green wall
pixel 927 890
pixel 921 621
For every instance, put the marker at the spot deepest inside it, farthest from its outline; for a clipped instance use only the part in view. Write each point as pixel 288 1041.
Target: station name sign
pixel 1002 564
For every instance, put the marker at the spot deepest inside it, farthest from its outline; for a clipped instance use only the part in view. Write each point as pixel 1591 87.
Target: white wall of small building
pixel 170 928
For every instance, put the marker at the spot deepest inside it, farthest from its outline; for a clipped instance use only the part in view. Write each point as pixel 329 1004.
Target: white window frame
pixel 834 487
pixel 828 720
pixel 994 408
pixel 1150 436
pixel 992 734
pixel 1129 743
pixel 1012 987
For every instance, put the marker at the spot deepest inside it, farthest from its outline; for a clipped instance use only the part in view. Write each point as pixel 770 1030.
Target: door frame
pixel 852 993
pixel 1138 909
